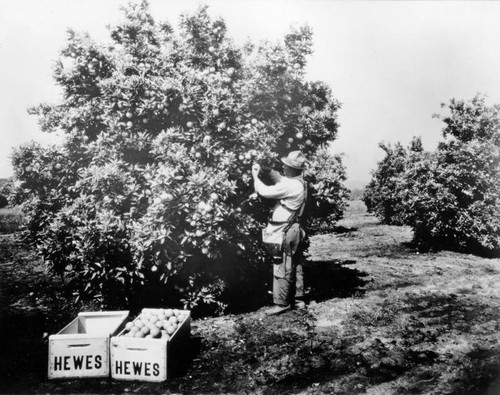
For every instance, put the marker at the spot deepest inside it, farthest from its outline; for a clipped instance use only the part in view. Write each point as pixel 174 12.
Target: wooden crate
pixel 149 359
pixel 81 348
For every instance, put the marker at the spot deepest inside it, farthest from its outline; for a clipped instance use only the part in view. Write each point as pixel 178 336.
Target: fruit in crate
pixel 156 324
pixel 159 324
pixel 170 329
pixel 155 332
pixel 138 323
pixel 134 329
pixel 161 316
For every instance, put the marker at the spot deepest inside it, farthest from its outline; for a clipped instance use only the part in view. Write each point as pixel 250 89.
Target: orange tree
pixel 387 192
pixel 147 198
pixel 4 192
pixel 381 195
pixel 452 197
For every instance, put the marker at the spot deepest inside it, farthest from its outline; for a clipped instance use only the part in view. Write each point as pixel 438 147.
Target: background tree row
pixel 451 196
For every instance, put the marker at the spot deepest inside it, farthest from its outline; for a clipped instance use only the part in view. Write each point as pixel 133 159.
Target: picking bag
pixel 273 236
pixel 282 237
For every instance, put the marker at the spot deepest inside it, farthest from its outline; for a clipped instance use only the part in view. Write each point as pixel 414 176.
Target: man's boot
pixel 278 309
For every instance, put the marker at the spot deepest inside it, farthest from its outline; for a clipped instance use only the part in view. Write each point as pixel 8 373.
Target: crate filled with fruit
pixel 156 324
pixel 149 345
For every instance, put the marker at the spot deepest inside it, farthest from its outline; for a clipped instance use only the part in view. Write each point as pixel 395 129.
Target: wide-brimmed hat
pixel 295 159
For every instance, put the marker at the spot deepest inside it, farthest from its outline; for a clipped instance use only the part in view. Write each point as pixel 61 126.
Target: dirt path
pixel 434 317
pixel 382 319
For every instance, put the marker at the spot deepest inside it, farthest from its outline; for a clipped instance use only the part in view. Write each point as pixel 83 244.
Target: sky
pixel 389 63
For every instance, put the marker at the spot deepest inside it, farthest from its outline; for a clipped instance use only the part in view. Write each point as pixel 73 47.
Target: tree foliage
pixel 149 192
pixel 382 194
pixel 450 197
pixel 327 194
pixel 5 188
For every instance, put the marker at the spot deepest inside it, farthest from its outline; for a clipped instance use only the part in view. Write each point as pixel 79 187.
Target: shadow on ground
pixel 332 279
pixel 342 229
pixel 323 280
pixel 22 352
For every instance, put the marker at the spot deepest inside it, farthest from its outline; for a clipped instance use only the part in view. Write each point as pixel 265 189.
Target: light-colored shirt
pixel 289 193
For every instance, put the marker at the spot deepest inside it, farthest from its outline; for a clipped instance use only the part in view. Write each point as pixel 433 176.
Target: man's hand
pixel 255 170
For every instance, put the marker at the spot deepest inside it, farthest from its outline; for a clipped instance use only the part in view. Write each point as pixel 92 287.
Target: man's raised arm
pixel 276 191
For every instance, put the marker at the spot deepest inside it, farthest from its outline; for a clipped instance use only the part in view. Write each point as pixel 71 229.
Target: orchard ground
pixel 382 319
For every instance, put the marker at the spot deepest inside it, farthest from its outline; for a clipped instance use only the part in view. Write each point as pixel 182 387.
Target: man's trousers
pixel 288 279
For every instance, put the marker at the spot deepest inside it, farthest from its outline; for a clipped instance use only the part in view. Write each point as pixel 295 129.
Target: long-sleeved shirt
pixel 289 193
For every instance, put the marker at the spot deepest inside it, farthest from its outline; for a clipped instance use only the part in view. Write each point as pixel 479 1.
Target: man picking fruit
pixel 290 193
